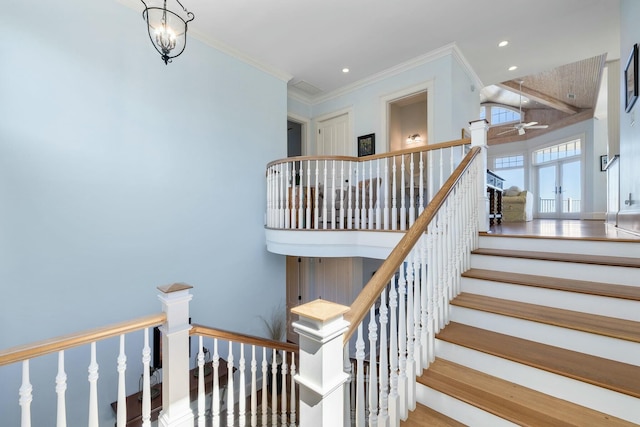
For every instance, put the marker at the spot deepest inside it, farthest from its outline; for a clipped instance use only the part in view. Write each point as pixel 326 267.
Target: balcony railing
pixel 379 192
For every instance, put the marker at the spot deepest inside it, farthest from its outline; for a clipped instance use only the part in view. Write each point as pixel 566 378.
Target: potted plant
pixel 276 327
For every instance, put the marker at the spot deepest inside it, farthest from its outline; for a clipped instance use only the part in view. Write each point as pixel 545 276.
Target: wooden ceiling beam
pixel 540 97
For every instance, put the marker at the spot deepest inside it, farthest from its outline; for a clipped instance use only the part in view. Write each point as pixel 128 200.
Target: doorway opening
pixel 408 122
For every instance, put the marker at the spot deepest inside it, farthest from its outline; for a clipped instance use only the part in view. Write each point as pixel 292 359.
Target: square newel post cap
pixel 174 287
pixel 321 315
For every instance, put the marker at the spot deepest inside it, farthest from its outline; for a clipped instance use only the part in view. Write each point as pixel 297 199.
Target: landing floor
pixel 570 229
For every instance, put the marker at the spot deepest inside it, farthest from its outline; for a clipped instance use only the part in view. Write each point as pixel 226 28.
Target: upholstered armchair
pixel 517 205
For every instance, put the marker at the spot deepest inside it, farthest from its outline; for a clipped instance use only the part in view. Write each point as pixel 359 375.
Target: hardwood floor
pixel 569 229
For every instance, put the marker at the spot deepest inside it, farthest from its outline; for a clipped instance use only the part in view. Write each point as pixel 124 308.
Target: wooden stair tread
pixel 424 416
pixel 569 285
pixel 554 256
pixel 510 401
pixel 595 324
pixel 609 374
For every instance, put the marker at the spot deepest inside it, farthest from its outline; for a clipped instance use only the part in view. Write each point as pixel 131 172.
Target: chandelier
pixel 167 28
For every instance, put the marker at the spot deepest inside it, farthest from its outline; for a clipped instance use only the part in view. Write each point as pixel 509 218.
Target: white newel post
pixel 478 130
pixel 321 375
pixel 176 409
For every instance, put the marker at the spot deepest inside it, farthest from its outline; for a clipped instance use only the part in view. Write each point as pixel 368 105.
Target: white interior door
pixel 333 137
pixel 560 189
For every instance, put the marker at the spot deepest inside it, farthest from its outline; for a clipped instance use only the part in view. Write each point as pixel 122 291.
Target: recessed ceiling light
pixel 513 68
pixel 503 43
pixel 345 70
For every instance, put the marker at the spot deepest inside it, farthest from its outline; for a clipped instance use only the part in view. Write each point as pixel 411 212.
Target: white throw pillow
pixel 512 191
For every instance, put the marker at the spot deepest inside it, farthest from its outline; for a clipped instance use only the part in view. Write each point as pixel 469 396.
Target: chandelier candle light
pixel 167 29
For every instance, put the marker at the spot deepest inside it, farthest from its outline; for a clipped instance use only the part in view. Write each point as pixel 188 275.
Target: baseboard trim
pixel 629 221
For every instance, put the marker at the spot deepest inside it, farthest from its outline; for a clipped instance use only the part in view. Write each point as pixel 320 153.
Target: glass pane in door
pixel 547 189
pixel 571 192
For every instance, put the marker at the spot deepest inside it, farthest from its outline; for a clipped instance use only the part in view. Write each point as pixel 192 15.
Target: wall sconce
pixel 411 139
pixel 167 29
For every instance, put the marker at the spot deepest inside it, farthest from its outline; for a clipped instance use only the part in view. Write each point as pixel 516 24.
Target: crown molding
pixel 460 58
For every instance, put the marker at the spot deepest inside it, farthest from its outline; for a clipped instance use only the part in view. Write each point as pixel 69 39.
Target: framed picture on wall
pixel 631 80
pixel 367 145
pixel 603 162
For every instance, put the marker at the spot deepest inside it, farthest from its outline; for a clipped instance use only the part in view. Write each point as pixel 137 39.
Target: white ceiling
pixel 312 40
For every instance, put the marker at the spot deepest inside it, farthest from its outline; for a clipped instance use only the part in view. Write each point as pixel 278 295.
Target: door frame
pixel 386 100
pixel 533 177
pixel 306 130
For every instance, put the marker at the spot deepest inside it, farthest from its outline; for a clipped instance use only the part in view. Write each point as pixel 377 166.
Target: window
pixel 499 114
pixel 511 169
pixel 557 152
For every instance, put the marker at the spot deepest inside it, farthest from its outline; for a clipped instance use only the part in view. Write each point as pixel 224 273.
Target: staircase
pixel 546 332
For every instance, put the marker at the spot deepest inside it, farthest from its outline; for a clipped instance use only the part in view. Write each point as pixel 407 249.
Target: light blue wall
pixel 629 122
pixel 119 174
pixel 454 103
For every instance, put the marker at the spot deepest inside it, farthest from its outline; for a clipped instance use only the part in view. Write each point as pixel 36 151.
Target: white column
pixel 176 410
pixel 321 327
pixel 479 139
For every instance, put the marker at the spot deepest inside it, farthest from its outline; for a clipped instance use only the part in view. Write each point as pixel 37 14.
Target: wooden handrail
pixel 370 293
pixel 430 147
pixel 241 338
pixel 52 345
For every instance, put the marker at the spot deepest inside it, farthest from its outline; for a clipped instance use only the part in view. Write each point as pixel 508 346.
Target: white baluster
pixel 146 381
pixel 292 406
pixel 326 196
pixel 283 395
pixel 378 197
pixel 316 209
pixel 412 208
pixel 307 209
pixel 350 202
pixel 342 195
pixel 411 368
pixel 360 415
pixel 402 342
pixel 264 392
pixel 294 198
pixel 274 389
pixel 383 418
pixel 417 302
pixel 230 388
pixel 432 175
pixel 242 393
pixel 122 393
pixel 25 396
pixel 93 388
pixel 333 194
pixel 431 290
pixel 215 394
pixel 363 201
pixel 386 193
pixel 348 395
pixel 301 213
pixel 373 362
pixel 287 202
pixel 441 182
pixel 403 207
pixel 356 213
pixel 394 208
pixel 370 213
pixel 201 405
pixel 254 388
pixel 422 175
pixel 61 387
pixel 394 399
pixel 424 302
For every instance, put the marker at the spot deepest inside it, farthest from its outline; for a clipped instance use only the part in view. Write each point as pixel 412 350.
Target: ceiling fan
pixel 521 127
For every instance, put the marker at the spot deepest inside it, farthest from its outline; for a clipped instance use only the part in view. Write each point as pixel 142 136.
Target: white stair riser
pixel 594 397
pixel 597 345
pixel 593 304
pixel 458 410
pixel 590 247
pixel 566 270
